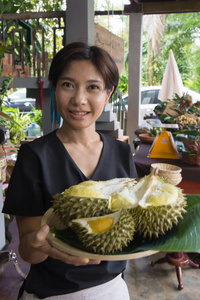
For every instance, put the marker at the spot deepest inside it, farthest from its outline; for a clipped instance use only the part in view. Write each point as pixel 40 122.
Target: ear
pixel 108 96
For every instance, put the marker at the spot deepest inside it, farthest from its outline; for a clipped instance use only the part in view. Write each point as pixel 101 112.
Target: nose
pixel 79 96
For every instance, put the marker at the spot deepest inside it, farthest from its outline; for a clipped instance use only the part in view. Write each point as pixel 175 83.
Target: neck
pixel 84 137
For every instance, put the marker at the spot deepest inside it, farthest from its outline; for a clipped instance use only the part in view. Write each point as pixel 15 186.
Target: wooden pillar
pixel 135 58
pixel 80 21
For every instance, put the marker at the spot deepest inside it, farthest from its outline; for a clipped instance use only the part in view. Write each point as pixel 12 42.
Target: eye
pixel 67 84
pixel 94 87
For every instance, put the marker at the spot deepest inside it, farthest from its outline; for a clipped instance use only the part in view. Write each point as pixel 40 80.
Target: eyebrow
pixel 89 81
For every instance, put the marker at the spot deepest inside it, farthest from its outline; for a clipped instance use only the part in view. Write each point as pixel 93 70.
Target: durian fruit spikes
pixel 160 205
pixel 105 234
pixel 68 207
pixel 93 198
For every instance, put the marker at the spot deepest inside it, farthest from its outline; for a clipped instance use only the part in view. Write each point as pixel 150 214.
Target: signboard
pixel 110 42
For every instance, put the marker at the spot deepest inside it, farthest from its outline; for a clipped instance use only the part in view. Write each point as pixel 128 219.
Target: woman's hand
pixel 46 247
pixel 35 247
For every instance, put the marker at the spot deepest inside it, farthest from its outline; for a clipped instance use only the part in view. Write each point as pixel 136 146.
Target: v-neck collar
pixel 74 163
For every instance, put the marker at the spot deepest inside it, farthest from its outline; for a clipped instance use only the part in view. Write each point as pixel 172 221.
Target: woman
pixel 83 79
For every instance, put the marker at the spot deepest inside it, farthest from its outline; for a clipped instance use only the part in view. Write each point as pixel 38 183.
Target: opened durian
pixel 107 233
pixel 160 205
pixel 93 198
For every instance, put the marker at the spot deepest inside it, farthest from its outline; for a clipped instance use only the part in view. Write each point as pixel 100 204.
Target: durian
pixel 93 198
pixel 106 214
pixel 160 205
pixel 105 234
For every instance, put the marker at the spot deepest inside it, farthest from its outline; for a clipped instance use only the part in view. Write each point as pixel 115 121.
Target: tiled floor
pixel 143 280
pixel 160 282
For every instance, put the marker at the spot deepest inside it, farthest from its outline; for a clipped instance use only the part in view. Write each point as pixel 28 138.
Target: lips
pixel 79 113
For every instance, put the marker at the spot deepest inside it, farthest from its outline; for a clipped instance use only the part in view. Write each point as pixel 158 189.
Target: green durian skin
pixel 108 241
pixel 153 221
pixel 68 207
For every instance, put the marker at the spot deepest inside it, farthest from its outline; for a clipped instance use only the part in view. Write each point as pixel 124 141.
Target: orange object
pixel 164 146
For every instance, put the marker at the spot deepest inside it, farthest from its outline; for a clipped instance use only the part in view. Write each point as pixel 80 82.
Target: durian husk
pixel 111 240
pixel 153 221
pixel 160 205
pixel 68 207
pixel 92 198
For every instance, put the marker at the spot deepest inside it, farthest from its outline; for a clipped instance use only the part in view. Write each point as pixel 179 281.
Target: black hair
pixel 81 51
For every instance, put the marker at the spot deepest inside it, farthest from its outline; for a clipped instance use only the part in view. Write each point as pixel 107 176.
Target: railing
pixel 29 41
pixel 119 108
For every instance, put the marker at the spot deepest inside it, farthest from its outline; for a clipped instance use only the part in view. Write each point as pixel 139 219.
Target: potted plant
pixel 190 148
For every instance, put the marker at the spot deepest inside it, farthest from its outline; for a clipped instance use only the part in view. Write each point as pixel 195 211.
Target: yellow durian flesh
pixel 153 190
pixel 164 194
pixel 93 198
pixel 105 234
pixel 84 192
pixel 122 199
pixel 117 190
pixel 101 224
pixel 97 224
pixel 86 189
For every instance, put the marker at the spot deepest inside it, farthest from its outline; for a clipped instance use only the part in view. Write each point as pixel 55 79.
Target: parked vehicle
pixel 149 99
pixel 19 100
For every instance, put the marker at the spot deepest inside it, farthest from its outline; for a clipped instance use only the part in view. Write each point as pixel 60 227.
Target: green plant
pixel 36 116
pixel 189 138
pixel 17 125
pixel 184 102
pixel 123 83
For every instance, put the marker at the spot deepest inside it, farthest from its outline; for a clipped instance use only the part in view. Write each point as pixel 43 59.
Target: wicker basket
pixel 170 172
pixel 3 165
pixel 191 159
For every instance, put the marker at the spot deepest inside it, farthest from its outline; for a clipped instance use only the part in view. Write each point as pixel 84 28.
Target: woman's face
pixel 80 95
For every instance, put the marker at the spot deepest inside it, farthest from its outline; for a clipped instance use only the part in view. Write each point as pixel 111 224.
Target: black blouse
pixel 44 168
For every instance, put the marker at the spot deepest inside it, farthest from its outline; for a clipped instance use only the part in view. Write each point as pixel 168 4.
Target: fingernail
pixel 45 228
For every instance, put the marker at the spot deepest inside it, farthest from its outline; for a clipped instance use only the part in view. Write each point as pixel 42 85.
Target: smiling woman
pixel 83 78
pixel 80 97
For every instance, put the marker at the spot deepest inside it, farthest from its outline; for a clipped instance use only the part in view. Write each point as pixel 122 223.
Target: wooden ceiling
pixel 162 6
pixel 145 1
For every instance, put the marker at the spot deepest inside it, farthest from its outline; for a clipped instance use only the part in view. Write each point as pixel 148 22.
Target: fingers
pixel 41 234
pixel 94 261
pixel 41 242
pixel 71 259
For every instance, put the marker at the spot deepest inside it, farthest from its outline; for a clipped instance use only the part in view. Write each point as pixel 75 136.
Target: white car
pixel 149 99
pixel 19 100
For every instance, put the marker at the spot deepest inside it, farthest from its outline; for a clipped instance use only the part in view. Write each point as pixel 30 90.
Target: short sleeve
pixel 25 190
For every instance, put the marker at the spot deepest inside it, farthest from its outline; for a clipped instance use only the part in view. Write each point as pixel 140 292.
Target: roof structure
pixel 162 6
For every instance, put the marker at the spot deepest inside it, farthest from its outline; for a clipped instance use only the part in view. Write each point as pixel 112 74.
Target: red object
pixel 189 187
pixel 41 83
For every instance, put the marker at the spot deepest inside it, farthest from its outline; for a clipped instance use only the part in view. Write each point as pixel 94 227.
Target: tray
pixel 50 219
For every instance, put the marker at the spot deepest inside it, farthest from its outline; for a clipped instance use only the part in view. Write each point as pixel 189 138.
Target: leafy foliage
pixel 36 116
pixel 7 6
pixel 181 31
pixel 17 129
pixel 123 83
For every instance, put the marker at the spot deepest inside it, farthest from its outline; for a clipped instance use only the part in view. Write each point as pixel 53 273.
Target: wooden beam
pixel 51 14
pixel 164 7
pixel 108 12
pixel 33 15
